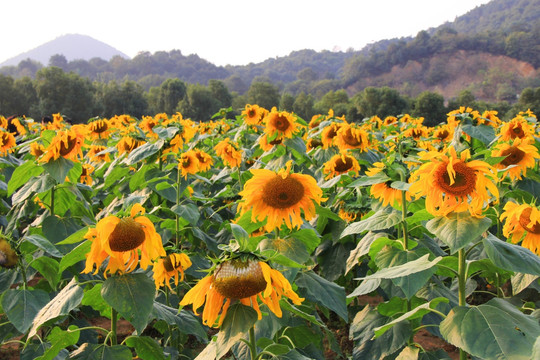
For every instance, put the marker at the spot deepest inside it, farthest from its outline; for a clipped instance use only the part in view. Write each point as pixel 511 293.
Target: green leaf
pixel 457 230
pixel 363 330
pixel 408 353
pixel 48 267
pixel 293 309
pixel 239 320
pixel 362 248
pixel 146 347
pixel 484 133
pixel 58 168
pixel 190 212
pixel 92 297
pixel 370 180
pixel 101 352
pixel 241 236
pixel 66 300
pixel 32 187
pixel 43 244
pixel 511 256
pixel 60 339
pixel 415 313
pixel 521 281
pixel 296 143
pixel 365 287
pixel 144 151
pixel 290 248
pixel 494 330
pixel 22 174
pixel 382 219
pixel 187 322
pixel 132 295
pixel 301 336
pixel 74 174
pixel 21 306
pixel 309 237
pixel 323 292
pixel 74 256
pixel 56 229
pixel 408 268
pixel 114 175
pixel 164 189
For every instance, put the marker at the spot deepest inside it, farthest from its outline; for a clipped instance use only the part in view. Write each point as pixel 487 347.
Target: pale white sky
pixel 223 32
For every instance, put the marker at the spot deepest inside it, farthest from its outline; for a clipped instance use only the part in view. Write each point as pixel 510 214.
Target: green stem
pixel 404 204
pixel 177 233
pixel 114 319
pixel 252 343
pixel 52 201
pixel 462 279
pixel 239 178
pixel 23 273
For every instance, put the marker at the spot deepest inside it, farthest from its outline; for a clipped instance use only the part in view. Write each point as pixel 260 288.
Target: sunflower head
pixel 519 155
pixel 341 164
pixel 99 129
pixel 128 144
pixel 7 142
pixel 351 137
pixel 168 267
pixel 229 152
pixel 8 256
pixel 253 114
pixel 281 124
pixel 188 163
pixel 67 144
pixel 94 154
pixel 518 127
pixel 522 224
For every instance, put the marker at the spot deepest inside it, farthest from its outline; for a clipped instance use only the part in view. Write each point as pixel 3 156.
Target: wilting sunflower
pixel 340 164
pixel 246 281
pixel 94 154
pixel 229 153
pixel 127 144
pixel 387 195
pixel 313 143
pixel 518 127
pixel 316 120
pixel 67 144
pixel 253 114
pixel 8 256
pixel 520 154
pixel 350 137
pixel 188 163
pixel 281 124
pixel 37 149
pixel 121 240
pixel 7 142
pixel 99 129
pixel 147 124
pixel 280 197
pixel 489 117
pixel 166 268
pixel 205 160
pixel 453 183
pixel 87 169
pixel 522 224
pixel 443 133
pixel 416 132
pixel 269 145
pixel 329 134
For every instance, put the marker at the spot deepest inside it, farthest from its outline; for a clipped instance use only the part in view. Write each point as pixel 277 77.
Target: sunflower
pixel 87 169
pixel 329 133
pixel 67 144
pixel 340 164
pixel 229 153
pixel 388 195
pixel 94 154
pixel 281 124
pixel 489 117
pixel 205 160
pixel 520 156
pixel 166 268
pixel 416 132
pixel 280 197
pixel 452 183
pixel 246 281
pixel 15 126
pixel 351 137
pixel 253 114
pixel 99 129
pixel 518 127
pixel 8 256
pixel 312 143
pixel 443 133
pixel 522 224
pixel 269 145
pixel 7 142
pixel 127 144
pixel 121 240
pixel 188 163
pixel 147 124
pixel 315 121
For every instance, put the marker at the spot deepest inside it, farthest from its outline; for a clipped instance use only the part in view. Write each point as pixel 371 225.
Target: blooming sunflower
pixel 67 144
pixel 518 127
pixel 522 224
pixel 229 153
pixel 246 281
pixel 7 142
pixel 329 133
pixel 188 163
pixel 281 124
pixel 340 164
pixel 166 268
pixel 269 145
pixel 520 154
pixel 121 240
pixel 280 197
pixel 443 133
pixel 205 160
pixel 388 195
pixel 452 183
pixel 351 137
pixel 253 114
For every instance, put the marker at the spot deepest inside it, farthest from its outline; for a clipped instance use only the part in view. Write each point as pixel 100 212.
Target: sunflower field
pixel 265 236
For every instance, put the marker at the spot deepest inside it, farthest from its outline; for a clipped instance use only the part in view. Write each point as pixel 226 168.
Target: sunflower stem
pixel 239 178
pixel 177 228
pixel 114 319
pixel 52 200
pixel 462 279
pixel 252 343
pixel 404 212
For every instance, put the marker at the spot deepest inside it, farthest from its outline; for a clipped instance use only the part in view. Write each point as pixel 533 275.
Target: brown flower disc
pixel 127 235
pixel 238 280
pixel 282 193
pixel 464 181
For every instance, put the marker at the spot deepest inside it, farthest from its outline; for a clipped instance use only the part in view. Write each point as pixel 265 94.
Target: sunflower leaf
pixel 143 152
pixel 511 257
pixel 382 219
pixel 457 230
pixel 22 174
pixel 58 168
pixel 323 292
pixel 238 321
pixel 370 180
pixel 21 306
pixel 484 133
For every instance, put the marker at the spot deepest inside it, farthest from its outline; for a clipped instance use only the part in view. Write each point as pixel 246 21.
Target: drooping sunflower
pixel 87 169
pixel 416 132
pixel 253 114
pixel 281 124
pixel 229 152
pixel 99 129
pixel 341 164
pixel 188 163
pixel 94 154
pixel 245 280
pixel 518 127
pixel 387 195
pixel 351 137
pixel 8 256
pixel 489 117
pixel 67 144
pixel 7 142
pixel 168 267
pixel 313 143
pixel 453 183
pixel 205 160
pixel 280 197
pixel 329 134
pixel 269 145
pixel 127 144
pixel 37 149
pixel 520 154
pixel 443 133
pixel 522 224
pixel 123 241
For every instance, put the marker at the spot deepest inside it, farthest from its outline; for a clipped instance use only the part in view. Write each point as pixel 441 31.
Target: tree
pixel 465 98
pixel 382 102
pixel 199 104
pixel 333 100
pixel 118 99
pixel 264 94
pixel 220 92
pixel 169 95
pixel 58 60
pixel 430 106
pixel 303 106
pixel 287 102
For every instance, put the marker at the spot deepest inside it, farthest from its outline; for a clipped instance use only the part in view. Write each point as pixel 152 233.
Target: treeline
pixel 79 99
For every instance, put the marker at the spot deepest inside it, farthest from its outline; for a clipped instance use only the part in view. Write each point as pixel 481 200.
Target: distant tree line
pixel 79 99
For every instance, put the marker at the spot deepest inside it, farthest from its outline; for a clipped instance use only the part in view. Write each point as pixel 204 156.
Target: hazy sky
pixel 223 32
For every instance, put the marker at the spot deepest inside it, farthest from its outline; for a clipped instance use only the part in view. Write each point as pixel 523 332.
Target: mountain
pixel 72 46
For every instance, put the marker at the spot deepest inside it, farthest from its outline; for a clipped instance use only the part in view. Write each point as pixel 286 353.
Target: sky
pixel 224 32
